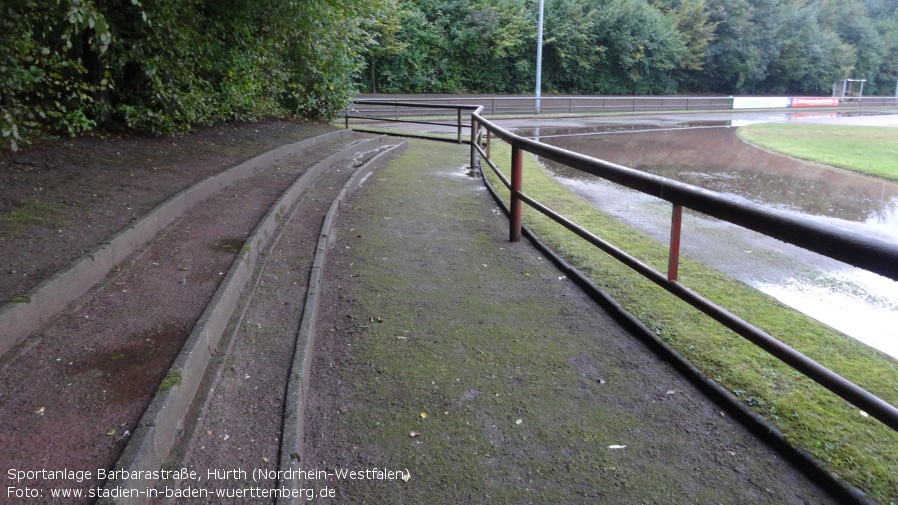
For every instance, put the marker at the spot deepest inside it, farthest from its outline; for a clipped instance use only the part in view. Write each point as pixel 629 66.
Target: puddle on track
pixel 709 155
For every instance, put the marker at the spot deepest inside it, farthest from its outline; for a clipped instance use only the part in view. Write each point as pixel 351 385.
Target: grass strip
pixel 30 212
pixel 860 449
pixel 871 150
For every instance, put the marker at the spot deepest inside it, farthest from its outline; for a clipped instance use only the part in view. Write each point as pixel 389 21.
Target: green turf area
pixel 859 448
pixel 867 149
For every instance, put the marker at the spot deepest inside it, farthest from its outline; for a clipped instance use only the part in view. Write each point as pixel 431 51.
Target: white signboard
pixel 760 102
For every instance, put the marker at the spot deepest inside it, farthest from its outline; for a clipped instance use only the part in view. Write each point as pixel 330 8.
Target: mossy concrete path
pixel 472 367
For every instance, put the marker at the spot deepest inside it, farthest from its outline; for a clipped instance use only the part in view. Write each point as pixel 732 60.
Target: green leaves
pixel 68 65
pixel 631 46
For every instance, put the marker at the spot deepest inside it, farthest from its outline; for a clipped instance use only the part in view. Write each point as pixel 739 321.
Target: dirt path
pixel 467 364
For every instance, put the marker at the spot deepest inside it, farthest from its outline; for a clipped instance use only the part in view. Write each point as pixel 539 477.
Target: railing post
pixel 489 137
pixel 475 140
pixel 459 126
pixel 673 261
pixel 347 120
pixel 517 175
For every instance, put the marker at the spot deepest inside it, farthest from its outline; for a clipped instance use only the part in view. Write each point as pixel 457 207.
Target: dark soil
pixel 59 198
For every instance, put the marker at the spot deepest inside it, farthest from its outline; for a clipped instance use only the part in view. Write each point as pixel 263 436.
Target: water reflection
pixel 716 159
pixel 860 304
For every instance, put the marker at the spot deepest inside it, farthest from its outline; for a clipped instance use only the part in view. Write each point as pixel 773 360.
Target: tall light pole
pixel 539 55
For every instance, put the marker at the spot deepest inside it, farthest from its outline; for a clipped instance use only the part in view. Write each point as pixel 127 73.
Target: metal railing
pixel 858 250
pixel 869 253
pixel 389 111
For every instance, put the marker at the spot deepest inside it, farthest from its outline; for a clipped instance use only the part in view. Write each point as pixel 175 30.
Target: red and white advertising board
pixel 814 101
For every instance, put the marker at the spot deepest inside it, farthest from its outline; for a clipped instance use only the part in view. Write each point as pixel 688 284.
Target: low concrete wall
pixel 161 425
pixel 293 428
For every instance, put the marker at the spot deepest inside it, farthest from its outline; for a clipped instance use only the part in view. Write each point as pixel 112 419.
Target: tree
pixel 811 58
pixel 643 46
pixel 167 65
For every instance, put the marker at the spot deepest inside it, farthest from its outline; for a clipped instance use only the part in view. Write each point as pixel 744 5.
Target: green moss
pixel 476 361
pixel 21 299
pixel 33 213
pixel 171 380
pixel 860 449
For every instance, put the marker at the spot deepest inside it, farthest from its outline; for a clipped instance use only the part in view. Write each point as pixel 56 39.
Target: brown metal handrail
pixel 459 124
pixel 858 250
pixel 855 249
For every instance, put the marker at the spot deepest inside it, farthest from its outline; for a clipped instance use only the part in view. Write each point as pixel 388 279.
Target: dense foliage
pixel 161 66
pixel 164 65
pixel 633 46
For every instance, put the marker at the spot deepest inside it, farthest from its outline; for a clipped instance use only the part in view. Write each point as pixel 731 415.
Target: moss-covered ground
pixel 474 365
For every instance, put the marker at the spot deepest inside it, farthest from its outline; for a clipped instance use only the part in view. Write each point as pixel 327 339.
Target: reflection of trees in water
pixel 717 160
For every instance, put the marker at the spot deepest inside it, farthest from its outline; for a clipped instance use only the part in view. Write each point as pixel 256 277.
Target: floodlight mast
pixel 539 55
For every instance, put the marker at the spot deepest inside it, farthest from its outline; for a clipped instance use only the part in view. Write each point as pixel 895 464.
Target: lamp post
pixel 539 55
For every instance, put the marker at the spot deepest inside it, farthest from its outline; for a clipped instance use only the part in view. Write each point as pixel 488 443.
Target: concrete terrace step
pixel 111 347
pixel 229 347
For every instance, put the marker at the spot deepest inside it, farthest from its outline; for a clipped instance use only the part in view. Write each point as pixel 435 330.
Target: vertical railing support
pixel 347 119
pixel 475 141
pixel 517 175
pixel 673 261
pixel 489 138
pixel 459 126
